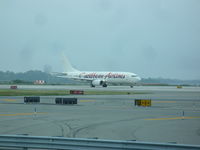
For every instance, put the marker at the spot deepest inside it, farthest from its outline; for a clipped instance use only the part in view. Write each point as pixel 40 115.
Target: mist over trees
pixel 169 81
pixel 30 76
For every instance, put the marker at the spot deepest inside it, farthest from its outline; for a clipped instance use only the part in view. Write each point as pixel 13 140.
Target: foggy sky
pixel 152 38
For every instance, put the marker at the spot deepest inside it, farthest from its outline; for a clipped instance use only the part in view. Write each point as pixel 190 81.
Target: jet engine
pixel 98 82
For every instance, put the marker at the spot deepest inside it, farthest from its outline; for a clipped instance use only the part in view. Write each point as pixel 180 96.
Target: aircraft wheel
pixel 104 85
pixel 92 85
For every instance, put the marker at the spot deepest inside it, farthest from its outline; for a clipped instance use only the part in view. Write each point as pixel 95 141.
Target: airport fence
pixel 62 143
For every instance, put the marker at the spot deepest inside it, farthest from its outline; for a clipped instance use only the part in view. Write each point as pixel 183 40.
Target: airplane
pixel 99 78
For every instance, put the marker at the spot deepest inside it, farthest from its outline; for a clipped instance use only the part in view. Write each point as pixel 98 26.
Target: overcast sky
pixel 152 38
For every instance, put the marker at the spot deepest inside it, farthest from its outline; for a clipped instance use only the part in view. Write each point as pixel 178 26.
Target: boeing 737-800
pixel 99 78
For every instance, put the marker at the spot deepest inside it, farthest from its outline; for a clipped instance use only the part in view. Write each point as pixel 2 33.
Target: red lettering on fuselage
pixel 109 75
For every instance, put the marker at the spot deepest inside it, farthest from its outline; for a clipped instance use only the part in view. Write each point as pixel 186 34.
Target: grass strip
pixel 113 92
pixel 20 92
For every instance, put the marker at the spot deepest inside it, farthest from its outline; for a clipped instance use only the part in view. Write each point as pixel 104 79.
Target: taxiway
pixel 173 117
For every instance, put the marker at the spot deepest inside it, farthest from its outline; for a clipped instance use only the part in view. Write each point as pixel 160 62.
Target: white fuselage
pixel 104 78
pixel 99 78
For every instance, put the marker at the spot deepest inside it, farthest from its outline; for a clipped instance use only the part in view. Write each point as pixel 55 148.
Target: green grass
pixel 113 92
pixel 19 92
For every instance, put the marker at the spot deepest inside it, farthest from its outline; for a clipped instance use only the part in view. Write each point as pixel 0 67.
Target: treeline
pixel 29 77
pixel 163 81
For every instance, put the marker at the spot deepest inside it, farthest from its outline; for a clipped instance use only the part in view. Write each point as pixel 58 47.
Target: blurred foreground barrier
pixel 61 143
pixel 142 102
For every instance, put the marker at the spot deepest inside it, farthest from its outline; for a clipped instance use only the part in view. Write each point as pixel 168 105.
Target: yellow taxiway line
pixel 164 101
pixel 9 100
pixel 23 114
pixel 87 101
pixel 175 118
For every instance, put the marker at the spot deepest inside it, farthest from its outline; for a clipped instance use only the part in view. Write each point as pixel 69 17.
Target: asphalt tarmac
pixel 173 117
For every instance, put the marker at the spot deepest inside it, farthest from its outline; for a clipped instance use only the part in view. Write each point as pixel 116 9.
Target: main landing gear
pixel 91 85
pixel 104 85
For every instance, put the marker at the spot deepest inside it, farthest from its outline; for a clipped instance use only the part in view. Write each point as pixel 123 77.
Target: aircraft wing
pixel 65 75
pixel 81 79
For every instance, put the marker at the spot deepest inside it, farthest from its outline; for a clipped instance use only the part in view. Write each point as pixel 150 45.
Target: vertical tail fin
pixel 67 66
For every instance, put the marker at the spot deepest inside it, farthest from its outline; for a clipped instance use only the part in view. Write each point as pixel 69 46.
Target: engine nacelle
pixel 97 82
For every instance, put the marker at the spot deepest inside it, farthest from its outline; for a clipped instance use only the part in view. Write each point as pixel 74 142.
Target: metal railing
pixel 62 143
